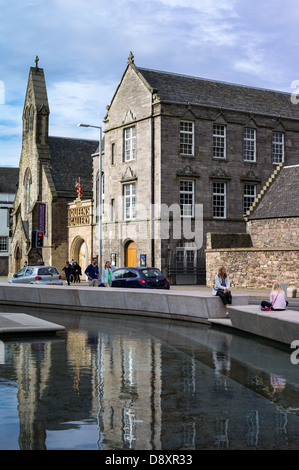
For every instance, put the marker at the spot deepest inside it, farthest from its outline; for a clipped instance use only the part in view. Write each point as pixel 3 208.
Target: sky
pixel 83 47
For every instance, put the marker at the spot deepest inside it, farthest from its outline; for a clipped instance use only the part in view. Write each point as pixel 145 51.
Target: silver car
pixel 42 275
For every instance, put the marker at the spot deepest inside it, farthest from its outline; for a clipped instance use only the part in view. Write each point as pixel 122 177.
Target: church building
pixel 49 169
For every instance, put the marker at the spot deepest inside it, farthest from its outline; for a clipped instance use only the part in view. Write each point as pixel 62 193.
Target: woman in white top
pixel 107 275
pixel 222 286
pixel 277 298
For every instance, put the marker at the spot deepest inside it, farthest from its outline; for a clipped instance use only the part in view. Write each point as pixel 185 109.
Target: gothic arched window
pixel 26 120
pixel 27 185
pixel 31 118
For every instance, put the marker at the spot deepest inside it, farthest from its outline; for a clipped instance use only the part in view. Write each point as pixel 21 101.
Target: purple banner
pixel 41 223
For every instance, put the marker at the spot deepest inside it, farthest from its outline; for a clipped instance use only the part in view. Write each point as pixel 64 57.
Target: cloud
pixel 72 103
pixel 83 48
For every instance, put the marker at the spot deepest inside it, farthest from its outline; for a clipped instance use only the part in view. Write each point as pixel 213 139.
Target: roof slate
pixel 282 198
pixel 200 91
pixel 9 178
pixel 71 159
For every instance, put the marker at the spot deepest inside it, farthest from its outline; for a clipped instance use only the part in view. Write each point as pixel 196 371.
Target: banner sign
pixel 41 222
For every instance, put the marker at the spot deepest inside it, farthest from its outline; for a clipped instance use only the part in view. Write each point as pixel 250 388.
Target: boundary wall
pixel 255 267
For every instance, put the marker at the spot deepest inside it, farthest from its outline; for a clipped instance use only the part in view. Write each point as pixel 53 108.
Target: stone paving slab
pixel 23 323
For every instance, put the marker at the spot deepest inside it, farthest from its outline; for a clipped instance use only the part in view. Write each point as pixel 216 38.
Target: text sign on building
pixel 79 216
pixel 41 221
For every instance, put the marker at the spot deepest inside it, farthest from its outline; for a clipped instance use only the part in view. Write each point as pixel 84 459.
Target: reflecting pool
pixel 116 382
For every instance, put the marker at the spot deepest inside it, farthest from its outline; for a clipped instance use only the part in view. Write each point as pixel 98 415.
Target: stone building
pixel 271 248
pixel 185 156
pixel 9 178
pixel 49 169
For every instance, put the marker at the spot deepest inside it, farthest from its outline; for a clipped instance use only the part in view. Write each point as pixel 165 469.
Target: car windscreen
pixel 151 272
pixel 47 271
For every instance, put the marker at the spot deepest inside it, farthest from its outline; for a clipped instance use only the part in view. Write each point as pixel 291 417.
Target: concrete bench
pixel 282 326
pixel 180 305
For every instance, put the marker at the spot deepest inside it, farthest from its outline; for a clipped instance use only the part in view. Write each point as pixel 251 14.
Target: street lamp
pixel 100 190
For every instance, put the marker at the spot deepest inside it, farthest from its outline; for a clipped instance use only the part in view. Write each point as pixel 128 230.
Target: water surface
pixel 116 382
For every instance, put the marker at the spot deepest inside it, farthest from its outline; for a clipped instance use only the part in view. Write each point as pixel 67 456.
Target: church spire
pixel 36 107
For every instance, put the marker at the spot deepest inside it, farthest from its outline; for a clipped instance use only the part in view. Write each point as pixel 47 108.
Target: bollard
pixel 291 292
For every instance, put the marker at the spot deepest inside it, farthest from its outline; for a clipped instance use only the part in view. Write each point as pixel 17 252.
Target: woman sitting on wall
pixel 222 287
pixel 277 298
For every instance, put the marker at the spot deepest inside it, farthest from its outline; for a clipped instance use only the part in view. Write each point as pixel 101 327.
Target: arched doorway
pixel 79 253
pixel 131 254
pixel 82 256
pixel 18 259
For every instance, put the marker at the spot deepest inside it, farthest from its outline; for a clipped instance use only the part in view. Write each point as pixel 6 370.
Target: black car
pixel 144 278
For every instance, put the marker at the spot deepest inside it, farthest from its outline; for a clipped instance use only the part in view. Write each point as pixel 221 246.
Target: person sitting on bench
pixel 277 298
pixel 222 287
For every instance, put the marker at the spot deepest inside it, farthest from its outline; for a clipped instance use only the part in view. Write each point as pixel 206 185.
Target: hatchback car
pixel 147 278
pixel 42 275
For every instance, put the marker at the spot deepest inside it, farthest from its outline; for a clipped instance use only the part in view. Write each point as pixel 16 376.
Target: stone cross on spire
pixel 36 62
pixel 131 58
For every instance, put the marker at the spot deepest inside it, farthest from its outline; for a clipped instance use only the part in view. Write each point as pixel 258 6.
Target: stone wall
pixel 255 267
pixel 282 232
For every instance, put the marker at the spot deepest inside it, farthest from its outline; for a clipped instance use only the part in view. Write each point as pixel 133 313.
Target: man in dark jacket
pixel 92 272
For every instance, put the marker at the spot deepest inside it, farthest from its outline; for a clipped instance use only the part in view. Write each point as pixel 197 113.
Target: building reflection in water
pixel 129 375
pixel 133 390
pixel 32 364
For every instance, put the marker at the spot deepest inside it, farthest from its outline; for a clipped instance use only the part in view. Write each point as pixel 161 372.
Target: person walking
pixel 107 275
pixel 277 298
pixel 77 271
pixel 67 271
pixel 92 273
pixel 222 287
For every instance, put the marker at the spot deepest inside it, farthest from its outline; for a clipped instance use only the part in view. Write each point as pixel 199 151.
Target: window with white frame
pixel 219 141
pixel 219 200
pixel 130 143
pixel 278 147
pixel 186 138
pixel 249 145
pixel 3 243
pixel 187 198
pixel 186 255
pixel 249 196
pixel 129 201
